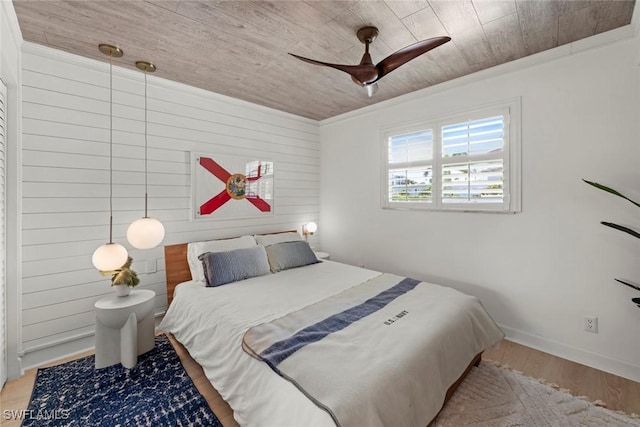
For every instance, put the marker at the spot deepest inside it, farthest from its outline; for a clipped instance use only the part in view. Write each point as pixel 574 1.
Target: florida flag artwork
pixel 231 186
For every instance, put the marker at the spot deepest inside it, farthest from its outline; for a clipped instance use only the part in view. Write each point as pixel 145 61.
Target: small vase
pixel 122 290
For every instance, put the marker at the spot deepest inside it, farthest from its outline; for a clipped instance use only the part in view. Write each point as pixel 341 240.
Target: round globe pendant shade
pixel 145 233
pixel 109 257
pixel 311 227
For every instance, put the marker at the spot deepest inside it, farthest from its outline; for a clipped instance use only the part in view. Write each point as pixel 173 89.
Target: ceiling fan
pixel 367 74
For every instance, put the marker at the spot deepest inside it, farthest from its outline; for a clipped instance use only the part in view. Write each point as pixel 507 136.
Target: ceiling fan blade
pixel 362 73
pixel 408 53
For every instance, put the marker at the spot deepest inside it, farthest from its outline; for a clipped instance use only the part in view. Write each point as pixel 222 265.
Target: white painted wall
pixel 10 73
pixel 65 181
pixel 538 272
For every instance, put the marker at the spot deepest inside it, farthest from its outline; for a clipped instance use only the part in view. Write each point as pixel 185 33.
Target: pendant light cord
pixel 145 143
pixel 111 147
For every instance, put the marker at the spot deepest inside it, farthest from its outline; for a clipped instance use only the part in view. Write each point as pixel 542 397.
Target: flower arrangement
pixel 123 276
pixel 619 227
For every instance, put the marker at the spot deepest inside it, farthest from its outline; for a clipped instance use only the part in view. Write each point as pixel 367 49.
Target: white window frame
pixel 510 110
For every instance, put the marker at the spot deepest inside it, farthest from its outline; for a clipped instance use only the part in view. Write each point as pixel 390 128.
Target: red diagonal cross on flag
pixel 235 185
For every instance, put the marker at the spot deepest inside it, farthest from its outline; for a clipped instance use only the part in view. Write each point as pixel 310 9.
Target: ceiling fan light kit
pixel 367 74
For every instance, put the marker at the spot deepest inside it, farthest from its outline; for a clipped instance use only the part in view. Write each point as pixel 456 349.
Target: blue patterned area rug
pixel 156 392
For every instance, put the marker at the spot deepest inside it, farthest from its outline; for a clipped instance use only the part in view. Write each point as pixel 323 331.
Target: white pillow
pixel 195 249
pixel 272 239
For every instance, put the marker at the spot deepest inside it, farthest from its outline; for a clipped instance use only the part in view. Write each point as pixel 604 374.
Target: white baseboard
pixel 604 363
pixel 70 346
pixel 56 352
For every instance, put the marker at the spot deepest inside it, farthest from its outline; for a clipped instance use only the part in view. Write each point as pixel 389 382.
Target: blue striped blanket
pixel 380 353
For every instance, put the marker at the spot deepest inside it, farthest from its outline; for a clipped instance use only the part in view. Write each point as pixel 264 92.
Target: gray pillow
pixel 290 255
pixel 231 266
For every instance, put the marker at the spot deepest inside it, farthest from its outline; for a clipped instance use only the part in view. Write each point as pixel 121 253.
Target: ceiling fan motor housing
pixel 367 34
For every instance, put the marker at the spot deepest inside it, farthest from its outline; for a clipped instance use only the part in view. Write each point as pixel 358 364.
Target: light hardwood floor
pixel 618 393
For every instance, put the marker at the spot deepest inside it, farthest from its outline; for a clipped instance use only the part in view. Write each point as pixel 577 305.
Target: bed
pixel 213 322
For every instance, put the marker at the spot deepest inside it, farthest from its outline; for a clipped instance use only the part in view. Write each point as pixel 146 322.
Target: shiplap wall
pixel 65 181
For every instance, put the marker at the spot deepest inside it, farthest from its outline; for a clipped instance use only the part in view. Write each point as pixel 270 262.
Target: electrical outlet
pixel 591 324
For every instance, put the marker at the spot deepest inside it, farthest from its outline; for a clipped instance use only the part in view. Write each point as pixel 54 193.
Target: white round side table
pixel 322 255
pixel 124 328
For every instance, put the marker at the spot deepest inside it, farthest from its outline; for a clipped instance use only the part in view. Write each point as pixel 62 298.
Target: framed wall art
pixel 231 187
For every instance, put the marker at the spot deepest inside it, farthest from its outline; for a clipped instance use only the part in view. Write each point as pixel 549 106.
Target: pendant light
pixel 146 232
pixel 110 256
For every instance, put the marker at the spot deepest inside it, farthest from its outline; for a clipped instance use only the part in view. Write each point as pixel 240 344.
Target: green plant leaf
pixel 128 263
pixel 621 228
pixel 610 190
pixel 108 272
pixel 123 276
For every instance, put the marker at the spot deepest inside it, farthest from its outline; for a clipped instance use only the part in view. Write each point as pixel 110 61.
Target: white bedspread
pixel 382 353
pixel 210 323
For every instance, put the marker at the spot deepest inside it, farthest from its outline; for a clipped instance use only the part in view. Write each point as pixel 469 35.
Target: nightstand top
pixel 134 298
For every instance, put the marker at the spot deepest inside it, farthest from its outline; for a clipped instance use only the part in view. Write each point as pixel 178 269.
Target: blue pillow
pixel 290 255
pixel 231 266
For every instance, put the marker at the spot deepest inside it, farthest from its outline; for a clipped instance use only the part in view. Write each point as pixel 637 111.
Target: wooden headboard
pixel 176 266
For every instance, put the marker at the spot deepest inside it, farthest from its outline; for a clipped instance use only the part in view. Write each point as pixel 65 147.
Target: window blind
pixel 410 174
pixel 463 162
pixel 479 179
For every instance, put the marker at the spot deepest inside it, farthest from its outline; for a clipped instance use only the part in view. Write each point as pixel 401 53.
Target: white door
pixel 3 133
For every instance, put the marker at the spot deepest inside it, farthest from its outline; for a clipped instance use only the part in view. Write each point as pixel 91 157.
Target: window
pixel 466 162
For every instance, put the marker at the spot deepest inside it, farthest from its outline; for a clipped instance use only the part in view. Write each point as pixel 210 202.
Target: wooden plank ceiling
pixel 239 48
